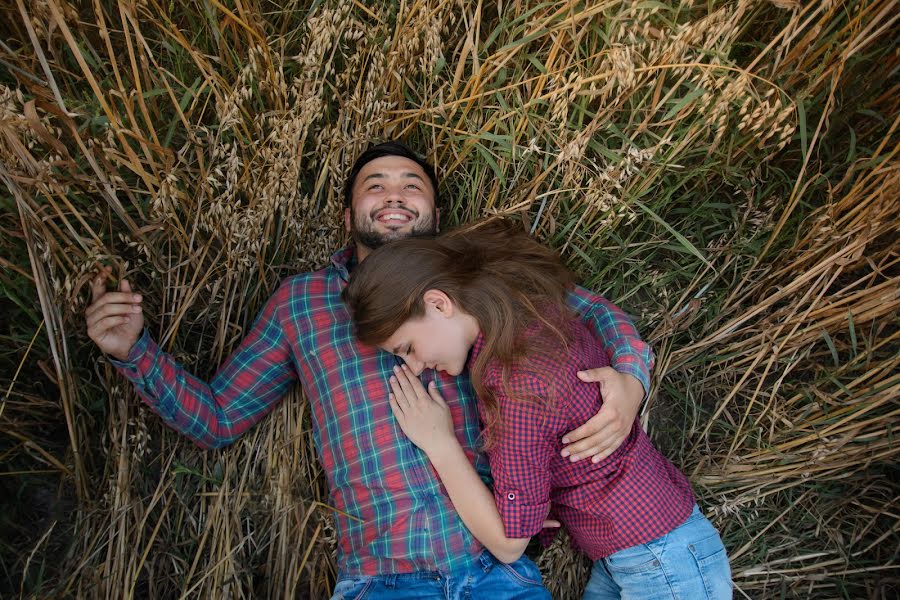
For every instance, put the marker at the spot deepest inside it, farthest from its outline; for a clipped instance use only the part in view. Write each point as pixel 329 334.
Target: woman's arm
pixel 425 418
pixel 474 501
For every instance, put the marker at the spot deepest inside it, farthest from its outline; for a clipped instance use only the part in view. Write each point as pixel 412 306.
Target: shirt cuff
pixel 521 518
pixel 631 365
pixel 137 357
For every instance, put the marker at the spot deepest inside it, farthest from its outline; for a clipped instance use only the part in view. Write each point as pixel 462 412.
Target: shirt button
pixel 510 496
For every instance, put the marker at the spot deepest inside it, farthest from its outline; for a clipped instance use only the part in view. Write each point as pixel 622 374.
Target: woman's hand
pixel 423 415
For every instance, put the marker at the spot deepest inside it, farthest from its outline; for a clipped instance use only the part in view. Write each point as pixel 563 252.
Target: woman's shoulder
pixel 550 358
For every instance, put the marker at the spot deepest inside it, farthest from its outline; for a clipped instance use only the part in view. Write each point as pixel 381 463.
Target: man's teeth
pixel 395 218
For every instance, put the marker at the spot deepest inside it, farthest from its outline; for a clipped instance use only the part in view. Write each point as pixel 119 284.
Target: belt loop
pixel 390 581
pixel 486 561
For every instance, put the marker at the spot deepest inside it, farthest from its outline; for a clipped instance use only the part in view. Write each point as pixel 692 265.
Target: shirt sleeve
pixel 244 389
pixel 628 353
pixel 520 456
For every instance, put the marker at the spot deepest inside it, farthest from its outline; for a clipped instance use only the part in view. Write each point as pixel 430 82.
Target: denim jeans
pixel 486 578
pixel 688 563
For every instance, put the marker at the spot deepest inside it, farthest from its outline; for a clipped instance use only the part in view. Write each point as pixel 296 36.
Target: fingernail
pixel 135 308
pixel 396 369
pixel 573 458
pixel 127 319
pixel 565 453
pixel 137 297
pixel 595 460
pixel 565 440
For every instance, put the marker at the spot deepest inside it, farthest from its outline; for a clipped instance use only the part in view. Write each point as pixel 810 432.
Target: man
pixel 398 534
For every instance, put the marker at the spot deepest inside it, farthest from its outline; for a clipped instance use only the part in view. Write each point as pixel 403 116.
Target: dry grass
pixel 726 171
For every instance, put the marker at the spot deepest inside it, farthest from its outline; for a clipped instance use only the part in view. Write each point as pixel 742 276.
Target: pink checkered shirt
pixel 633 496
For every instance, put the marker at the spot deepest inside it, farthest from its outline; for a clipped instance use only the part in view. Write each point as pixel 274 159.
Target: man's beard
pixel 365 234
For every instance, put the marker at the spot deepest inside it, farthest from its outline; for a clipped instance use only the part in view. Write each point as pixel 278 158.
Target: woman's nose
pixel 416 366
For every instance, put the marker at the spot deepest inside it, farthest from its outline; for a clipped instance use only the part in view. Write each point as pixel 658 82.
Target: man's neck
pixel 362 252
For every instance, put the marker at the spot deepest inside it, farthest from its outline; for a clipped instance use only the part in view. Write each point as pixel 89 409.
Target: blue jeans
pixel 688 563
pixel 486 578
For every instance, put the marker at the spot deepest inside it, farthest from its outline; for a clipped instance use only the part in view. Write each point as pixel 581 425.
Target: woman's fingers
pixel 403 377
pixel 435 394
pixel 415 384
pixel 397 392
pixel 395 406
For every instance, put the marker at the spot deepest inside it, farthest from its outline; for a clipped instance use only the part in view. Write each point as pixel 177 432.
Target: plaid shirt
pixel 392 513
pixel 633 496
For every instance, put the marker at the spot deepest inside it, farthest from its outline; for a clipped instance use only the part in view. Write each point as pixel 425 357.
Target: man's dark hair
pixel 388 149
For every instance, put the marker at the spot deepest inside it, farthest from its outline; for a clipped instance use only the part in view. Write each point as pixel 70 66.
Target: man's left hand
pixel 604 432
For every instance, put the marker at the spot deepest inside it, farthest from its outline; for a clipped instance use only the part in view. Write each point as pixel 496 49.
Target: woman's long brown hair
pixel 491 270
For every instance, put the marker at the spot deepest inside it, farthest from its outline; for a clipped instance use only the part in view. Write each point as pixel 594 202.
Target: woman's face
pixel 440 339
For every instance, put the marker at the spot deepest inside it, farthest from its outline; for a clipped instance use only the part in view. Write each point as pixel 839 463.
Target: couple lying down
pixel 489 330
pixel 491 300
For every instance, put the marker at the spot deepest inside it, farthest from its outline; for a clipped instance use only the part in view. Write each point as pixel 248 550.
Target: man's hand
pixel 423 414
pixel 114 319
pixel 604 432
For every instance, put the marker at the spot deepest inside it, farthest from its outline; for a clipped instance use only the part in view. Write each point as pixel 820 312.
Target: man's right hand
pixel 114 319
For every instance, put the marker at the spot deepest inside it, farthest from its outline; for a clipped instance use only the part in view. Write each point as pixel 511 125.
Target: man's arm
pixel 245 388
pixel 623 386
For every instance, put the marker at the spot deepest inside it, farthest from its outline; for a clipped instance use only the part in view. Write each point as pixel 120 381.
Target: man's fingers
pixel 597 375
pixel 593 426
pixel 124 286
pixel 609 450
pixel 551 523
pixel 98 287
pixel 99 328
pixel 113 298
pixel 105 309
pixel 98 283
pixel 591 445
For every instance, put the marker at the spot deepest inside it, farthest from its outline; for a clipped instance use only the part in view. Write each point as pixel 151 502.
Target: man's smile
pixel 394 216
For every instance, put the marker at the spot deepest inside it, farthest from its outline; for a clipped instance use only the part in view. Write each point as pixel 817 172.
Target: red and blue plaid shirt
pixel 633 496
pixel 392 515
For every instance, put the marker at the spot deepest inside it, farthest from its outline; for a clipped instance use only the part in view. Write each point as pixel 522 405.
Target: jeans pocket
pixel 636 559
pixel 712 561
pixel 352 588
pixel 523 572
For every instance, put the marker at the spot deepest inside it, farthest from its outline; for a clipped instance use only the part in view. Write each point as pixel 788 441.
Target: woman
pixel 492 299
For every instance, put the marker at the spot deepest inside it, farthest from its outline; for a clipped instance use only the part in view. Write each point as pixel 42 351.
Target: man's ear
pixel 347 220
pixel 440 302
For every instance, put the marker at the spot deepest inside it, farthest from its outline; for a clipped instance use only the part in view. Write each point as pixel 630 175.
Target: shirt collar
pixel 344 260
pixel 475 351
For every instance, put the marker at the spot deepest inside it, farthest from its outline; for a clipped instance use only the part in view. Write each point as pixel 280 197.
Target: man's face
pixel 392 200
